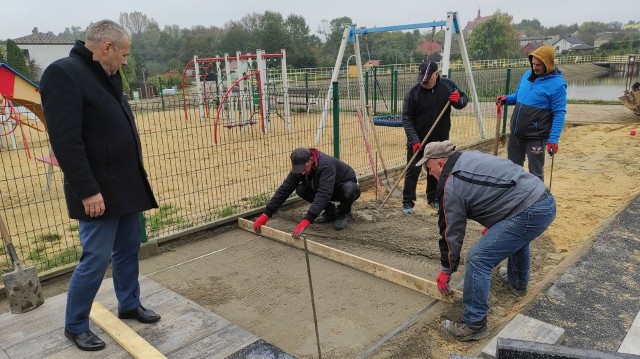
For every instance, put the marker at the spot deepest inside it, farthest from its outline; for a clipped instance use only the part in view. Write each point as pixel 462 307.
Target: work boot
pixel 324 218
pixel 465 332
pixel 328 216
pixel 341 222
pixel 503 274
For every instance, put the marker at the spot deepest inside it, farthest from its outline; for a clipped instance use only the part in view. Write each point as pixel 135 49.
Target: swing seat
pixel 388 120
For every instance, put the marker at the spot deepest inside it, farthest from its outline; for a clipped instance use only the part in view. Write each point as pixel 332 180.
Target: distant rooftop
pixel 42 38
pixel 477 21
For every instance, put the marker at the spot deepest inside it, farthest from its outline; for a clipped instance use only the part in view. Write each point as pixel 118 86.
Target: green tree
pixel 334 38
pixel 1 52
pixel 531 27
pixel 273 34
pixel 74 32
pixel 300 53
pixel 129 74
pixel 16 59
pixel 562 30
pixel 496 38
pixel 589 29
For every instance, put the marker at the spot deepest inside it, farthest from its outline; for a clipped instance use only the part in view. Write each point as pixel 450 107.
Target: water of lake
pixel 608 87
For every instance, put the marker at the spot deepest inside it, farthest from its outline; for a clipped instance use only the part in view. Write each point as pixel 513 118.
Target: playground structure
pixel 238 88
pixel 350 35
pixel 17 89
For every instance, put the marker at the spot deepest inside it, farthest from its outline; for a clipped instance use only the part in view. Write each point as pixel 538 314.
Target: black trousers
pixel 411 181
pixel 346 193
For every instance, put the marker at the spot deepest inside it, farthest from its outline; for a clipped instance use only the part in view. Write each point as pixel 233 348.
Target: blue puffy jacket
pixel 540 106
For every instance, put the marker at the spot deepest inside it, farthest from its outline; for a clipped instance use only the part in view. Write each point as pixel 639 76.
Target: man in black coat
pixel 421 107
pixel 319 179
pixel 94 137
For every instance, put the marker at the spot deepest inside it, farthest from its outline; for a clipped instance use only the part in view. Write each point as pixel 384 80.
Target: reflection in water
pixel 607 87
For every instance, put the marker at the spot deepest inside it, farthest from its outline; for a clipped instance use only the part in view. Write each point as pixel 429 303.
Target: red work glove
pixel 261 221
pixel 443 283
pixel 416 147
pixel 300 227
pixel 502 99
pixel 455 97
pixel 484 230
pixel 552 148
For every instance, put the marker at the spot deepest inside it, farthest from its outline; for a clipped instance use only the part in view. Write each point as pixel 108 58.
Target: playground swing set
pixel 238 89
pixel 351 35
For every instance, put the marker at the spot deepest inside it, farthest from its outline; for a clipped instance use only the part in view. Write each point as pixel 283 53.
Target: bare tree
pixel 136 22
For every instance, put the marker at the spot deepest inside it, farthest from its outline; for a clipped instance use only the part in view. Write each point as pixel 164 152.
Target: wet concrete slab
pixel 186 330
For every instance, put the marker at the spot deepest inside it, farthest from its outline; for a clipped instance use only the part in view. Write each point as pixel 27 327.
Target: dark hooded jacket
pixel 327 175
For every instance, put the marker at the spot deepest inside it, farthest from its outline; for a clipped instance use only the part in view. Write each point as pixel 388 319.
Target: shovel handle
pixel 7 242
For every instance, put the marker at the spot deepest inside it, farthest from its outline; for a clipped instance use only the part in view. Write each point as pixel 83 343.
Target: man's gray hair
pixel 107 30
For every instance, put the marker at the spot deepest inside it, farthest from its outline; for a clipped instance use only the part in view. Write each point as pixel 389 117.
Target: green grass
pixel 164 216
pixel 260 200
pixel 73 227
pixel 228 211
pixel 70 255
pixel 49 237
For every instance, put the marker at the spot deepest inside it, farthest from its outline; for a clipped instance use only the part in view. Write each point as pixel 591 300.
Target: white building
pixel 44 48
pixel 567 43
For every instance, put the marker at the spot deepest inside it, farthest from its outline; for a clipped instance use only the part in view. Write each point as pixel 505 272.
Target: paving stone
pixel 631 342
pixel 525 328
pixel 516 349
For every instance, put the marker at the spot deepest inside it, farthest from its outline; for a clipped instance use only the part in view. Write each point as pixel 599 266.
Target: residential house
pixel 567 44
pixel 531 46
pixel 44 48
pixel 372 63
pixel 429 48
pixel 474 23
pixel 602 38
pixel 544 39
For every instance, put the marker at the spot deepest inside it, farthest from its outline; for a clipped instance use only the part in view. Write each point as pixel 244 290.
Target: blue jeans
pixel 507 238
pixel 115 239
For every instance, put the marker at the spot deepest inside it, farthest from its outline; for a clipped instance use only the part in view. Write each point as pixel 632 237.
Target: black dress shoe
pixel 86 341
pixel 141 314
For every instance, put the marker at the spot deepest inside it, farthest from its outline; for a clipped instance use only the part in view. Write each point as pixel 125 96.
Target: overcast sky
pixel 21 16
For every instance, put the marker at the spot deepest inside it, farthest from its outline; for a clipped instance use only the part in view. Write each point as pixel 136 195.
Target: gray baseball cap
pixel 437 150
pixel 299 158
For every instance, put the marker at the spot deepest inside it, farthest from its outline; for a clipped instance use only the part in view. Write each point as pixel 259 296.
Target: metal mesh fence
pixel 209 162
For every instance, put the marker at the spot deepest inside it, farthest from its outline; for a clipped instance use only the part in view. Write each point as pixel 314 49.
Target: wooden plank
pixel 525 328
pixel 122 334
pixel 376 269
pixel 631 342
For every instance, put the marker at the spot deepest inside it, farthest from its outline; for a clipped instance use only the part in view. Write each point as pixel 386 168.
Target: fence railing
pixel 200 179
pixel 457 65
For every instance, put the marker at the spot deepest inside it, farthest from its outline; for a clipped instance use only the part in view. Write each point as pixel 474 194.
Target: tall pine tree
pixel 15 59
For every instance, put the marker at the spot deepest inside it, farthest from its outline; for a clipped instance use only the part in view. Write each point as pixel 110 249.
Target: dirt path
pixel 595 174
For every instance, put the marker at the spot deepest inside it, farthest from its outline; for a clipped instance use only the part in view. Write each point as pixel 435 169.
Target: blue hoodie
pixel 540 102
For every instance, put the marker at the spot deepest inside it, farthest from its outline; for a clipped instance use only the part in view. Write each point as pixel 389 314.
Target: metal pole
pixel 551 174
pixel 424 141
pixel 336 120
pixel 313 303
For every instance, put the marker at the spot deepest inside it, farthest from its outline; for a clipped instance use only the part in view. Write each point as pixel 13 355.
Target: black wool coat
pixel 94 137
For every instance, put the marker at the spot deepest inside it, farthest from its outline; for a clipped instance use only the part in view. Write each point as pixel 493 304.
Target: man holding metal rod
pixel 421 107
